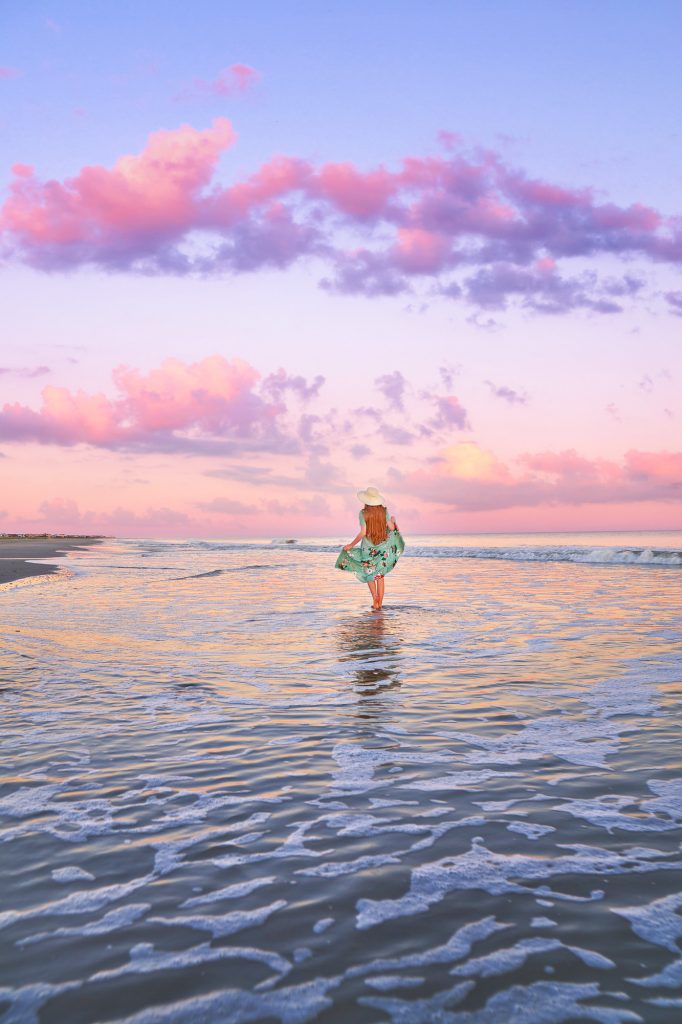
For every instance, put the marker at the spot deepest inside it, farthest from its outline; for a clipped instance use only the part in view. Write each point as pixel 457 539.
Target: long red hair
pixel 375 521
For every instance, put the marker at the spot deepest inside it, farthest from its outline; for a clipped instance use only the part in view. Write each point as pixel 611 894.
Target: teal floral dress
pixel 371 560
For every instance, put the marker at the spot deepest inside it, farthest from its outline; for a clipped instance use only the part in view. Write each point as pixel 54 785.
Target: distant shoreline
pixel 15 549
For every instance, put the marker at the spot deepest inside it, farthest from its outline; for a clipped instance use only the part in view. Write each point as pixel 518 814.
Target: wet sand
pixel 15 552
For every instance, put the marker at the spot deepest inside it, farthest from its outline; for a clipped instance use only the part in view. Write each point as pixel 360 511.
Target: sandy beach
pixel 15 552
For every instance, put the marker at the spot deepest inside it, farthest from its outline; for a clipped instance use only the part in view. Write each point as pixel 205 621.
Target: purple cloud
pixel 541 289
pixel 450 413
pixel 24 371
pixel 396 435
pixel 674 302
pixel 392 386
pixel 507 394
pixel 469 228
pixel 277 384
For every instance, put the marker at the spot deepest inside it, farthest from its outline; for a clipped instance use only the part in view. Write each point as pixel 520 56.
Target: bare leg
pixel 372 584
pixel 380 590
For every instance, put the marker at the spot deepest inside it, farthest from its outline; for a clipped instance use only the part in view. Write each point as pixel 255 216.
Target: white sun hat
pixel 370 496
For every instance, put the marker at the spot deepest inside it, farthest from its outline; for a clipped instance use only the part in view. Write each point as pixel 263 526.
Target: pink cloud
pixel 479 230
pixel 231 81
pixel 101 214
pixel 421 252
pixel 7 72
pixel 469 479
pixel 358 194
pixel 210 406
pixel 236 78
pixel 65 516
pixel 661 467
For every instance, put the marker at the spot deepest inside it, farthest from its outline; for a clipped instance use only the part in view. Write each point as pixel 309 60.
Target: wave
pixel 218 572
pixel 662 557
pixel 669 558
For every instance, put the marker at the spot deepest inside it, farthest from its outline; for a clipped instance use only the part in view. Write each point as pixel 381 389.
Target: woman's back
pixel 380 546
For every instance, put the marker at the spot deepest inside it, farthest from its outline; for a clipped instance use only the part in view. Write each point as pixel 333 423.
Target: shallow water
pixel 231 793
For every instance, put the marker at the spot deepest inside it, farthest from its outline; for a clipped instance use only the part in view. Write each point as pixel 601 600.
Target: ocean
pixel 232 793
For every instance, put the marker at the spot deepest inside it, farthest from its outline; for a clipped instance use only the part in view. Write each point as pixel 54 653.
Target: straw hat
pixel 370 496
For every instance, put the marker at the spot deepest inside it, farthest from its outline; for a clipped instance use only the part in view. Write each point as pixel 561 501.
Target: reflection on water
pixel 371 646
pixel 464 809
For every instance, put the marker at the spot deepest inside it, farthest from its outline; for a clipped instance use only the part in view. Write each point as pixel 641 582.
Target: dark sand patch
pixel 14 552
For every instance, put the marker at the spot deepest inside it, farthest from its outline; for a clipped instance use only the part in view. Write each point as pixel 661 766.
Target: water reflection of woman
pixel 374 648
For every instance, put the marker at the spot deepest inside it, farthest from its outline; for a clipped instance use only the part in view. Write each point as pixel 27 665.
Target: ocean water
pixel 231 793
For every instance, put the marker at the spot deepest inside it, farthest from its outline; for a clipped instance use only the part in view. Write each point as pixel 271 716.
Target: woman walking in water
pixel 381 545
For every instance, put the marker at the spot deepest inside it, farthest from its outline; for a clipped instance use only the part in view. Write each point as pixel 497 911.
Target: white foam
pixel 323 924
pixel 72 874
pixel 591 958
pixel 229 892
pixel 377 803
pixel 498 873
pixel 334 869
pixel 112 921
pixel 357 764
pixel 29 800
pixel 293 1004
pixel 458 946
pixel 668 799
pixel 604 811
pixel 385 982
pixel 670 977
pixel 495 806
pixel 544 1002
pixel 530 830
pixel 502 961
pixel 27 1001
pixel 628 694
pixel 81 902
pixel 457 780
pixel 581 742
pixel 657 922
pixel 542 922
pixel 73 820
pixel 170 852
pixel 434 1008
pixel 222 924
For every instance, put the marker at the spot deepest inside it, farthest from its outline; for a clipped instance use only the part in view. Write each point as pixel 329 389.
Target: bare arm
pixel 363 533
pixel 392 525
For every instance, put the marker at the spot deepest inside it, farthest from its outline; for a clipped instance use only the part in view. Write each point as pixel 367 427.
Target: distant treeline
pixel 52 536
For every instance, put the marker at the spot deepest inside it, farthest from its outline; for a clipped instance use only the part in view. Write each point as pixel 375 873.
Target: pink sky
pixel 201 347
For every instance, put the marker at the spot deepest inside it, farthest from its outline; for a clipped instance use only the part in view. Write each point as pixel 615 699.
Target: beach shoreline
pixel 15 553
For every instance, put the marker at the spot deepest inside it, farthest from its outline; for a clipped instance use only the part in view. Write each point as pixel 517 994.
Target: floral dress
pixel 371 560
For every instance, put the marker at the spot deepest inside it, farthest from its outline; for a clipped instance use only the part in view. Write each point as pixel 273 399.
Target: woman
pixel 380 546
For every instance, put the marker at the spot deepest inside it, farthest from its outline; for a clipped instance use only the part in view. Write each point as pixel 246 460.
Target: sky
pixel 255 257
